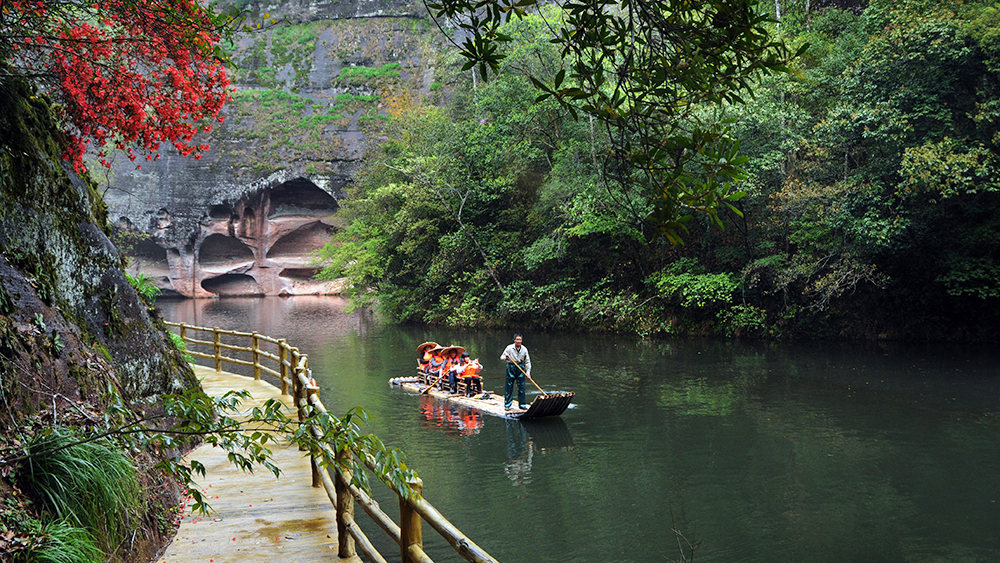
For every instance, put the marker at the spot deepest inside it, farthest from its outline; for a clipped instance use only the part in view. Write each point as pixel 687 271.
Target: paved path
pixel 255 517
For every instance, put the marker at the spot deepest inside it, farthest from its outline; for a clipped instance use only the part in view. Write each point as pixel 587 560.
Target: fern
pixel 143 285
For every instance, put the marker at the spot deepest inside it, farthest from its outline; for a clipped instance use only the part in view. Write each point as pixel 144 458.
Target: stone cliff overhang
pixel 254 239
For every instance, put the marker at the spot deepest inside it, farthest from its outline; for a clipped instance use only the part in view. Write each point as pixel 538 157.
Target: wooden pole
pixel 410 523
pixel 184 333
pixel 282 368
pixel 298 391
pixel 216 340
pixel 255 346
pixel 345 505
pixel 316 480
pixel 526 375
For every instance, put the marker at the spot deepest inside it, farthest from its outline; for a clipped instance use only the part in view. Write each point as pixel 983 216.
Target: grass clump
pixel 62 542
pixel 89 485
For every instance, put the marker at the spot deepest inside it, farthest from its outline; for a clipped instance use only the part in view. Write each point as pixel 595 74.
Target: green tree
pixel 894 193
pixel 640 68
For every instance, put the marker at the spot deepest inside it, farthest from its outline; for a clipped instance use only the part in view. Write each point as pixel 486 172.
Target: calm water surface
pixel 752 452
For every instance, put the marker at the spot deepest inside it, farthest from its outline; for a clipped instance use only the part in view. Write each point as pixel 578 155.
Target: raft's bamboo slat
pixel 202 342
pixel 267 355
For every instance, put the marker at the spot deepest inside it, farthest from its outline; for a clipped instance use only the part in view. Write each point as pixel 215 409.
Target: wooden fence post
pixel 345 505
pixel 312 390
pixel 282 368
pixel 216 340
pixel 184 332
pixel 410 532
pixel 255 346
pixel 298 390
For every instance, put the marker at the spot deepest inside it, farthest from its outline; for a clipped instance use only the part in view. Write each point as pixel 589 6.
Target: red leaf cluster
pixel 129 74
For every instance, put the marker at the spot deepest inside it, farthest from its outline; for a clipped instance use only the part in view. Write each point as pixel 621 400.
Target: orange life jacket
pixel 437 361
pixel 471 369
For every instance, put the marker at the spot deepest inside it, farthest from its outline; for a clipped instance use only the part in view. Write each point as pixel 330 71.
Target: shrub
pixel 684 281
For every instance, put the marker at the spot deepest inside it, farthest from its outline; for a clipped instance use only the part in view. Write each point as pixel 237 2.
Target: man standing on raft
pixel 517 360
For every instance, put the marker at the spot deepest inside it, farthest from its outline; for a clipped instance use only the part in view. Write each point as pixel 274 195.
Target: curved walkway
pixel 255 517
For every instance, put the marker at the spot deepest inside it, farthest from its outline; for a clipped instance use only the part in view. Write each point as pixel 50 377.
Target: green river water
pixel 752 452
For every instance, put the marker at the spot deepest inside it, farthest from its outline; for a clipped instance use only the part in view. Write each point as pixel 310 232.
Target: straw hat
pixel 453 347
pixel 427 345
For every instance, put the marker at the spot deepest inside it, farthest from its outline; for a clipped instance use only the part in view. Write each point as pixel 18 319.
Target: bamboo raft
pixel 550 404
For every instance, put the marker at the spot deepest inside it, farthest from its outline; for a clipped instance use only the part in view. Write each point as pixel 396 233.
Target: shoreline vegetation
pixel 871 207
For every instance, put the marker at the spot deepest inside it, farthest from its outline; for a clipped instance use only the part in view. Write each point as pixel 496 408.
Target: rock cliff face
pixel 257 244
pixel 310 90
pixel 71 325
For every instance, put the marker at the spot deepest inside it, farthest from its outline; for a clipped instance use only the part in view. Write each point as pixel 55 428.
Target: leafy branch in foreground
pixel 244 434
pixel 126 73
pixel 643 69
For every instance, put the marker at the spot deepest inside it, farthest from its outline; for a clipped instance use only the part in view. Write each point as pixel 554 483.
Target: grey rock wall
pixel 255 239
pixel 245 218
pixel 71 325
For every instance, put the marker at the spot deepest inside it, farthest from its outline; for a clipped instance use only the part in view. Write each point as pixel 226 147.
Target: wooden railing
pixel 291 367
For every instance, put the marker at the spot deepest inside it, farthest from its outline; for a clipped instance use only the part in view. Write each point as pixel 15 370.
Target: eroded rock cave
pixel 259 243
pixel 232 285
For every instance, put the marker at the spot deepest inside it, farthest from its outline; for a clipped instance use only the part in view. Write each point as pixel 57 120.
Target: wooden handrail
pixel 291 367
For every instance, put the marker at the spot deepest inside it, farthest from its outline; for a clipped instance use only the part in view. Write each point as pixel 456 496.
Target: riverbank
pixel 27 528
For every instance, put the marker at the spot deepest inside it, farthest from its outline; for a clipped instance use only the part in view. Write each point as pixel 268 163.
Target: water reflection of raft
pixel 551 404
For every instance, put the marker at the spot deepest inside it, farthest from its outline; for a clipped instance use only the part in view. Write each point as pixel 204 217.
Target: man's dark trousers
pixel 514 375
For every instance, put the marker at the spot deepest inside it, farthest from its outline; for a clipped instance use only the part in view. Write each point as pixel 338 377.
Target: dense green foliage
pixel 641 68
pixel 870 210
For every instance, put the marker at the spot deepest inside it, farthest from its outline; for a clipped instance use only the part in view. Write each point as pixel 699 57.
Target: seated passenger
pixel 436 364
pixel 451 354
pixel 470 376
pixel 467 371
pixel 425 352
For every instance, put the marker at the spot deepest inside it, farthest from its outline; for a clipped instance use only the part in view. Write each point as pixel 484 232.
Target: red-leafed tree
pixel 128 74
